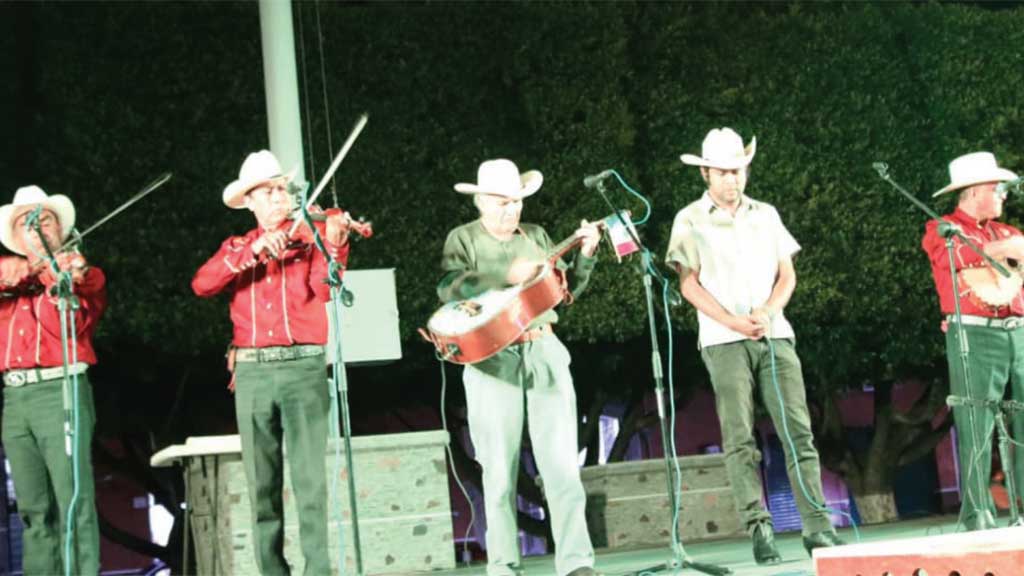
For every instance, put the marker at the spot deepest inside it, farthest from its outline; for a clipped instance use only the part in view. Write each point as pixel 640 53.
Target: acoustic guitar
pixel 468 331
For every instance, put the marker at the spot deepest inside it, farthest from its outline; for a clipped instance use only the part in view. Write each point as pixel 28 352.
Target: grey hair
pixel 966 192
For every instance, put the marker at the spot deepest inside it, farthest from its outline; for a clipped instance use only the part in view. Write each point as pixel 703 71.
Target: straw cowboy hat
pixel 259 168
pixel 974 168
pixel 501 177
pixel 723 149
pixel 26 199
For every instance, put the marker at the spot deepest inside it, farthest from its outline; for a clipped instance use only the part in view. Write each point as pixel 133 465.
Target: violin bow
pixel 358 129
pixel 149 188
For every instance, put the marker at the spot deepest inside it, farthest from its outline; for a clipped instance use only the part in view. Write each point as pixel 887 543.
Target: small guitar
pixel 468 331
pixel 988 288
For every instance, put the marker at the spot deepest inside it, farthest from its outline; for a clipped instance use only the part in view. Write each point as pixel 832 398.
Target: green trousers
pixel 996 357
pixel 287 401
pixel 528 383
pixel 33 436
pixel 737 369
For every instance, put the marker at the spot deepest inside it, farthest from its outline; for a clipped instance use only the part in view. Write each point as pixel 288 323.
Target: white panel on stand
pixel 369 328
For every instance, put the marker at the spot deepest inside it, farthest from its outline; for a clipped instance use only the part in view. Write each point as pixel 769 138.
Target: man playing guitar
pixel 528 379
pixel 992 311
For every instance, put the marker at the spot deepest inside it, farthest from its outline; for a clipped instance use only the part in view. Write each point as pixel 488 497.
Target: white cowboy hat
pixel 259 168
pixel 502 177
pixel 26 199
pixel 723 149
pixel 974 168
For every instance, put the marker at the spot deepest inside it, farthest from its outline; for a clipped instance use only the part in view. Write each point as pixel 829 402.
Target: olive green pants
pixel 286 400
pixel 737 369
pixel 33 435
pixel 996 357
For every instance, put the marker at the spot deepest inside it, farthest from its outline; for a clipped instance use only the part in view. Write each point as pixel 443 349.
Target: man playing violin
pixel 278 294
pixel 992 320
pixel 734 257
pixel 528 379
pixel 33 365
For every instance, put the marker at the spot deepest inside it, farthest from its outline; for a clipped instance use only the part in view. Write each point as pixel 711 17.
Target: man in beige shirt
pixel 735 263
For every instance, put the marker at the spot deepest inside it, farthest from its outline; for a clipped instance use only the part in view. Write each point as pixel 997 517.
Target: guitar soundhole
pixel 470 308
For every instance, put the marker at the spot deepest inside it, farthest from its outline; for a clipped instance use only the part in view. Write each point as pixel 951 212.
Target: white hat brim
pixel 235 192
pixel 730 164
pixel 530 183
pixel 60 205
pixel 996 175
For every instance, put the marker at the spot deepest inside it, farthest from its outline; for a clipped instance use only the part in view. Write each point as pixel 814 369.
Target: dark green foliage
pixel 120 92
pixel 98 98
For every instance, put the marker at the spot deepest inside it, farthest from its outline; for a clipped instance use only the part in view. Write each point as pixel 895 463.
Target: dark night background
pixel 99 98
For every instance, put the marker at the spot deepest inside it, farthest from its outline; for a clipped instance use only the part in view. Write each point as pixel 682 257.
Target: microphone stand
pixel 680 559
pixel 949 231
pixel 339 386
pixel 67 304
pixel 1000 408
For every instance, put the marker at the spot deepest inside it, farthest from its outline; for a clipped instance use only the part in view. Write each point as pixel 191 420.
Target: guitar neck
pixel 563 247
pixel 569 243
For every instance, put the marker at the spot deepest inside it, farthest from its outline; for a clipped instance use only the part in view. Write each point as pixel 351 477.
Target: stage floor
pixel 734 554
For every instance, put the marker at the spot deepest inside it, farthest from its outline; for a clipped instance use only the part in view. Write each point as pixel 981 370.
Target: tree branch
pixel 925 443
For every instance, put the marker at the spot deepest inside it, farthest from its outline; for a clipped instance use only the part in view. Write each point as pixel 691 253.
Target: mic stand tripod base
pixel 680 560
pixel 683 562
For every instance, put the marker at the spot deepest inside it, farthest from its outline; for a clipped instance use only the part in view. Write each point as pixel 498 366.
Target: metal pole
pixel 284 120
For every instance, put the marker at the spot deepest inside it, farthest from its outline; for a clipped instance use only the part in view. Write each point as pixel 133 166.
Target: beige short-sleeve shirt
pixel 737 258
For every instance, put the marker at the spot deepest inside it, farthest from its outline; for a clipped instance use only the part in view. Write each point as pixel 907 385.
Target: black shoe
pixel 765 551
pixel 825 539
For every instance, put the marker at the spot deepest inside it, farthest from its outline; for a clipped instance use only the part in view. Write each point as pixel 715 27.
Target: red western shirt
pixel 273 302
pixel 981 233
pixel 30 322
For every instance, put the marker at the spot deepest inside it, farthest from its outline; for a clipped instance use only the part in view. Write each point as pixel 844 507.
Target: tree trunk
pixel 876 507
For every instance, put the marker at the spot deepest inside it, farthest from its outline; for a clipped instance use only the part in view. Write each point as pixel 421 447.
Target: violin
pixel 301 234
pixel 19 276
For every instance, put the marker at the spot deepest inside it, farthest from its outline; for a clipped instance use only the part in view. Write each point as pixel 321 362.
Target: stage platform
pixel 734 553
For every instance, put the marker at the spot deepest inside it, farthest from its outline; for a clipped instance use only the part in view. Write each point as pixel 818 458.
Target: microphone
pixel 1004 188
pixel 675 298
pixel 595 179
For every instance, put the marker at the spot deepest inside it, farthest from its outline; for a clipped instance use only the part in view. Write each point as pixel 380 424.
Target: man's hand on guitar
pixel 522 270
pixel 1012 247
pixel 591 235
